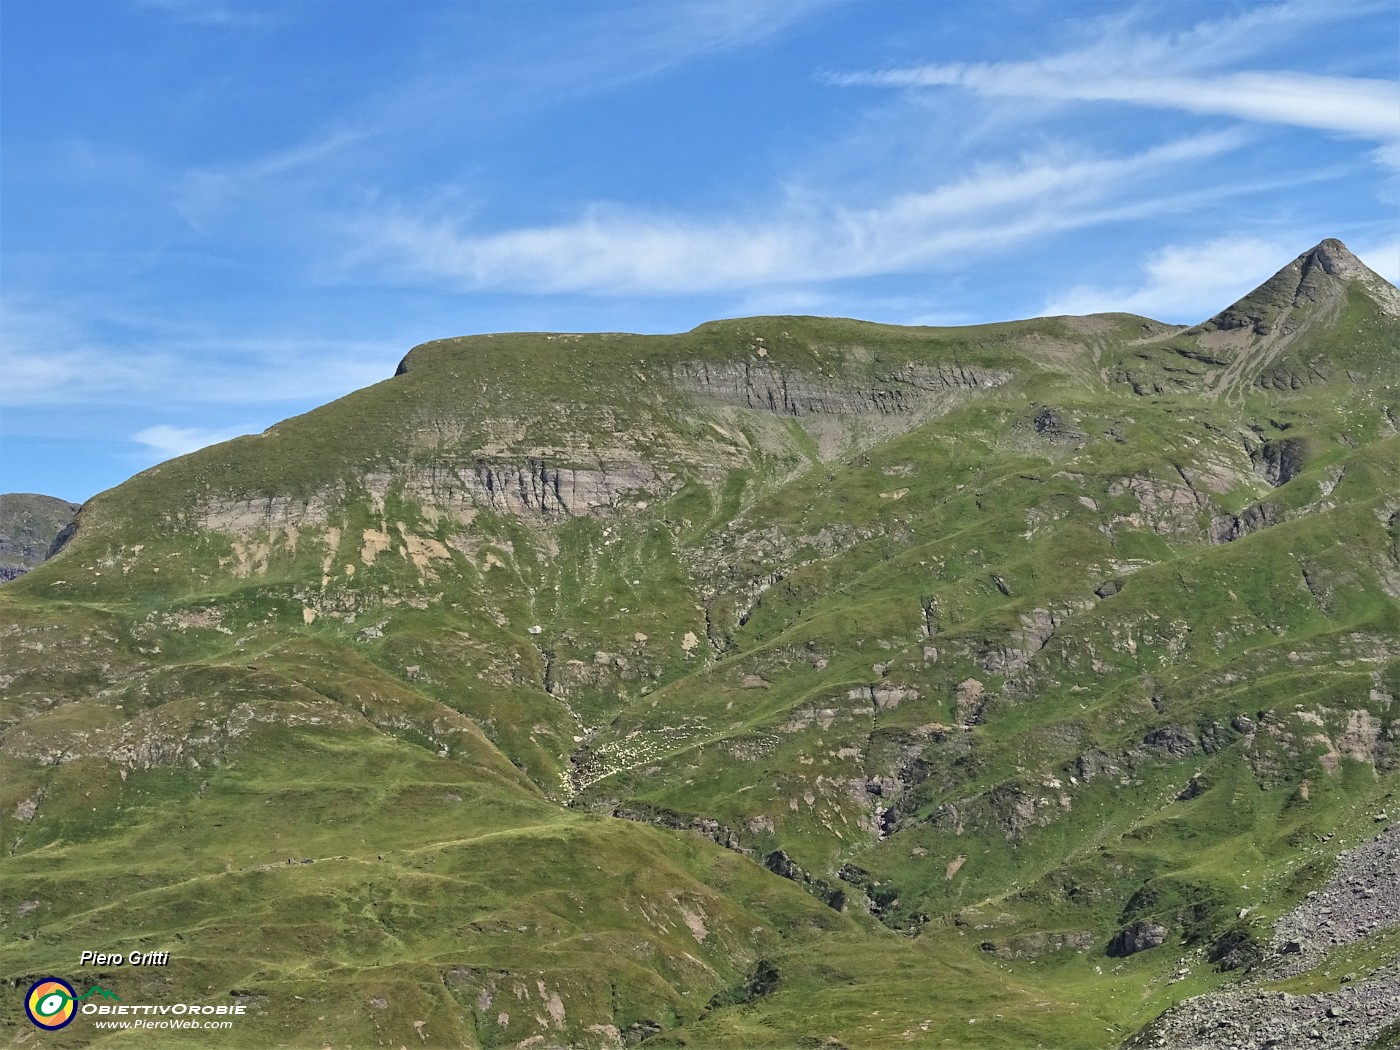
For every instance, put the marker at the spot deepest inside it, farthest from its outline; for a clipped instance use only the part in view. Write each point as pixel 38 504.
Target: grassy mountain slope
pixel 787 679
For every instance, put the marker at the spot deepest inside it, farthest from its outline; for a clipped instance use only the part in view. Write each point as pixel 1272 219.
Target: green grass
pixel 772 618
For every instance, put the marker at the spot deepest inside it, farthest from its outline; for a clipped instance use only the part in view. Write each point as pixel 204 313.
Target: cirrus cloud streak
pixel 612 250
pixel 1364 107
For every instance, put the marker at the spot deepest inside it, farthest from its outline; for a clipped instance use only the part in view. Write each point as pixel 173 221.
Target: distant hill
pixel 788 682
pixel 29 524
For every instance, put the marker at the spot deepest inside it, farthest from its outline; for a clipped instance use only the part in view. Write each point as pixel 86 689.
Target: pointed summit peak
pixel 1313 284
pixel 1326 313
pixel 1331 244
pixel 1335 259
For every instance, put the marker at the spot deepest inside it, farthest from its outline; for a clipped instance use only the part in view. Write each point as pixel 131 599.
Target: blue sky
pixel 216 214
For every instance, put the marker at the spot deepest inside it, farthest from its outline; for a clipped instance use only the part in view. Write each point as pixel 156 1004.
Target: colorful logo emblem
pixel 51 1003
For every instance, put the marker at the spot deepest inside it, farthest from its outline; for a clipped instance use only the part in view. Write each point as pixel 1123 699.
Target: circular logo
pixel 50 1003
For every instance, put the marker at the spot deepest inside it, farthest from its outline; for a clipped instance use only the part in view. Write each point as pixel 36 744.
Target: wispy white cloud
pixel 47 360
pixel 1124 40
pixel 1181 71
pixel 204 195
pixel 170 441
pixel 1356 106
pixel 298 372
pixel 614 250
pixel 1184 283
pixel 1388 155
pixel 1187 283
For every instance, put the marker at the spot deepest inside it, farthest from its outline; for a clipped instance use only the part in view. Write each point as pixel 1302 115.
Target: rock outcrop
pixel 30 524
pixel 1139 937
pixel 763 385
